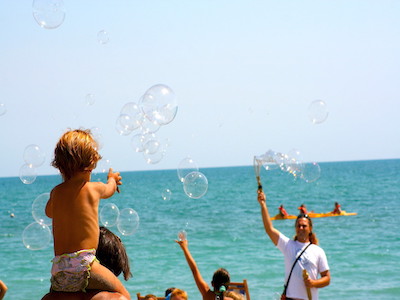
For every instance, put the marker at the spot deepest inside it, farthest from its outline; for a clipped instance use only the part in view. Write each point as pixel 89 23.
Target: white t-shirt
pixel 313 260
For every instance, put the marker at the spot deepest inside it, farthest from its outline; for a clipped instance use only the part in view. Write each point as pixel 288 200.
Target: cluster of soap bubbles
pixel 195 183
pixel 126 220
pixel 317 112
pixel 157 107
pixel 34 157
pixel 291 163
pixel 37 235
pixel 49 14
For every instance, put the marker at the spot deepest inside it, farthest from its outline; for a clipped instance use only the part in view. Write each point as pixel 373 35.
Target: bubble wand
pixel 257 168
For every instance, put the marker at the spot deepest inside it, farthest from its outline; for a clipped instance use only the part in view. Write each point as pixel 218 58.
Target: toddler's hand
pixel 116 176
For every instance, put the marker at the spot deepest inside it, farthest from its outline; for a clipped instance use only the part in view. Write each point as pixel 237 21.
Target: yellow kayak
pixel 315 215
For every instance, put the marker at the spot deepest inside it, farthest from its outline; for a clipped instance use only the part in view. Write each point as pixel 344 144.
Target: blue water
pixel 225 230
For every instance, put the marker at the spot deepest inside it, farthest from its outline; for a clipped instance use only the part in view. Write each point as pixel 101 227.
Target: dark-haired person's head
pixel 112 253
pixel 220 278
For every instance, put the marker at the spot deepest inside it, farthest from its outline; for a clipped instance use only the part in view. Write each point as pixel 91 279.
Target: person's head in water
pixel 112 253
pixel 220 278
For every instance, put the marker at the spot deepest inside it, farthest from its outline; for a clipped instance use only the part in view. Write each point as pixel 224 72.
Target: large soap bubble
pixel 159 104
pixel 27 174
pixel 109 214
pixel 34 156
pixel 36 236
pixel 311 172
pixel 135 114
pixel 195 185
pixel 48 14
pixel 186 166
pixel 3 109
pixel 39 209
pixel 124 125
pixel 317 111
pixel 128 221
pixel 148 126
pixel 154 151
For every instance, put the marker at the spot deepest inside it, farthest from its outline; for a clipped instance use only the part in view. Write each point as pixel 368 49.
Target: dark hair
pixel 169 291
pixel 112 253
pixel 220 278
pixel 313 237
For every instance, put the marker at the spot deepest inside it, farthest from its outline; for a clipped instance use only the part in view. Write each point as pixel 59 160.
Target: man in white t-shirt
pixel 313 260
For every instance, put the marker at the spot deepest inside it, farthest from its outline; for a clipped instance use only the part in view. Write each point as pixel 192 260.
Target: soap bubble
pixel 98 137
pixel 124 125
pixel 3 109
pixel 182 235
pixel 36 236
pixel 166 195
pixel 294 162
pixel 186 166
pixel 103 166
pixel 139 140
pixel 159 104
pixel 154 150
pixel 27 174
pixel 39 209
pixel 154 158
pixel 48 14
pixel 128 221
pixel 195 185
pixel 311 172
pixel 90 99
pixel 34 156
pixel 102 37
pixel 135 114
pixel 317 111
pixel 148 126
pixel 109 214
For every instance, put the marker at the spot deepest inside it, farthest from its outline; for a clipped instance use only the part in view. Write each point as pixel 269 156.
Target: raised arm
pixel 201 284
pixel 269 228
pixel 113 181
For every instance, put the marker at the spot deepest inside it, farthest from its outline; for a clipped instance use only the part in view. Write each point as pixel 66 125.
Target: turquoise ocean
pixel 224 229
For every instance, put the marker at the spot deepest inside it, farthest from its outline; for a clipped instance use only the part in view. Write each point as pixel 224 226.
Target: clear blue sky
pixel 244 73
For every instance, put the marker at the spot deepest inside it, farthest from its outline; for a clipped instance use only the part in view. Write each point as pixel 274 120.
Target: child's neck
pixel 82 175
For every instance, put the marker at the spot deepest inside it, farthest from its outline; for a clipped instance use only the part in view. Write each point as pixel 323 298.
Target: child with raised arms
pixel 73 207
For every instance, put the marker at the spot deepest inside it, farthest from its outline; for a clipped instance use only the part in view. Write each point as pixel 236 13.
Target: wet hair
pixel 112 253
pixel 220 278
pixel 76 151
pixel 179 293
pixel 313 237
pixel 169 291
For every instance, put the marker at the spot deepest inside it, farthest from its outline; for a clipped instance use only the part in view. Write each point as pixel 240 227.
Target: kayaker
pixel 313 260
pixel 283 212
pixel 303 209
pixel 337 210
